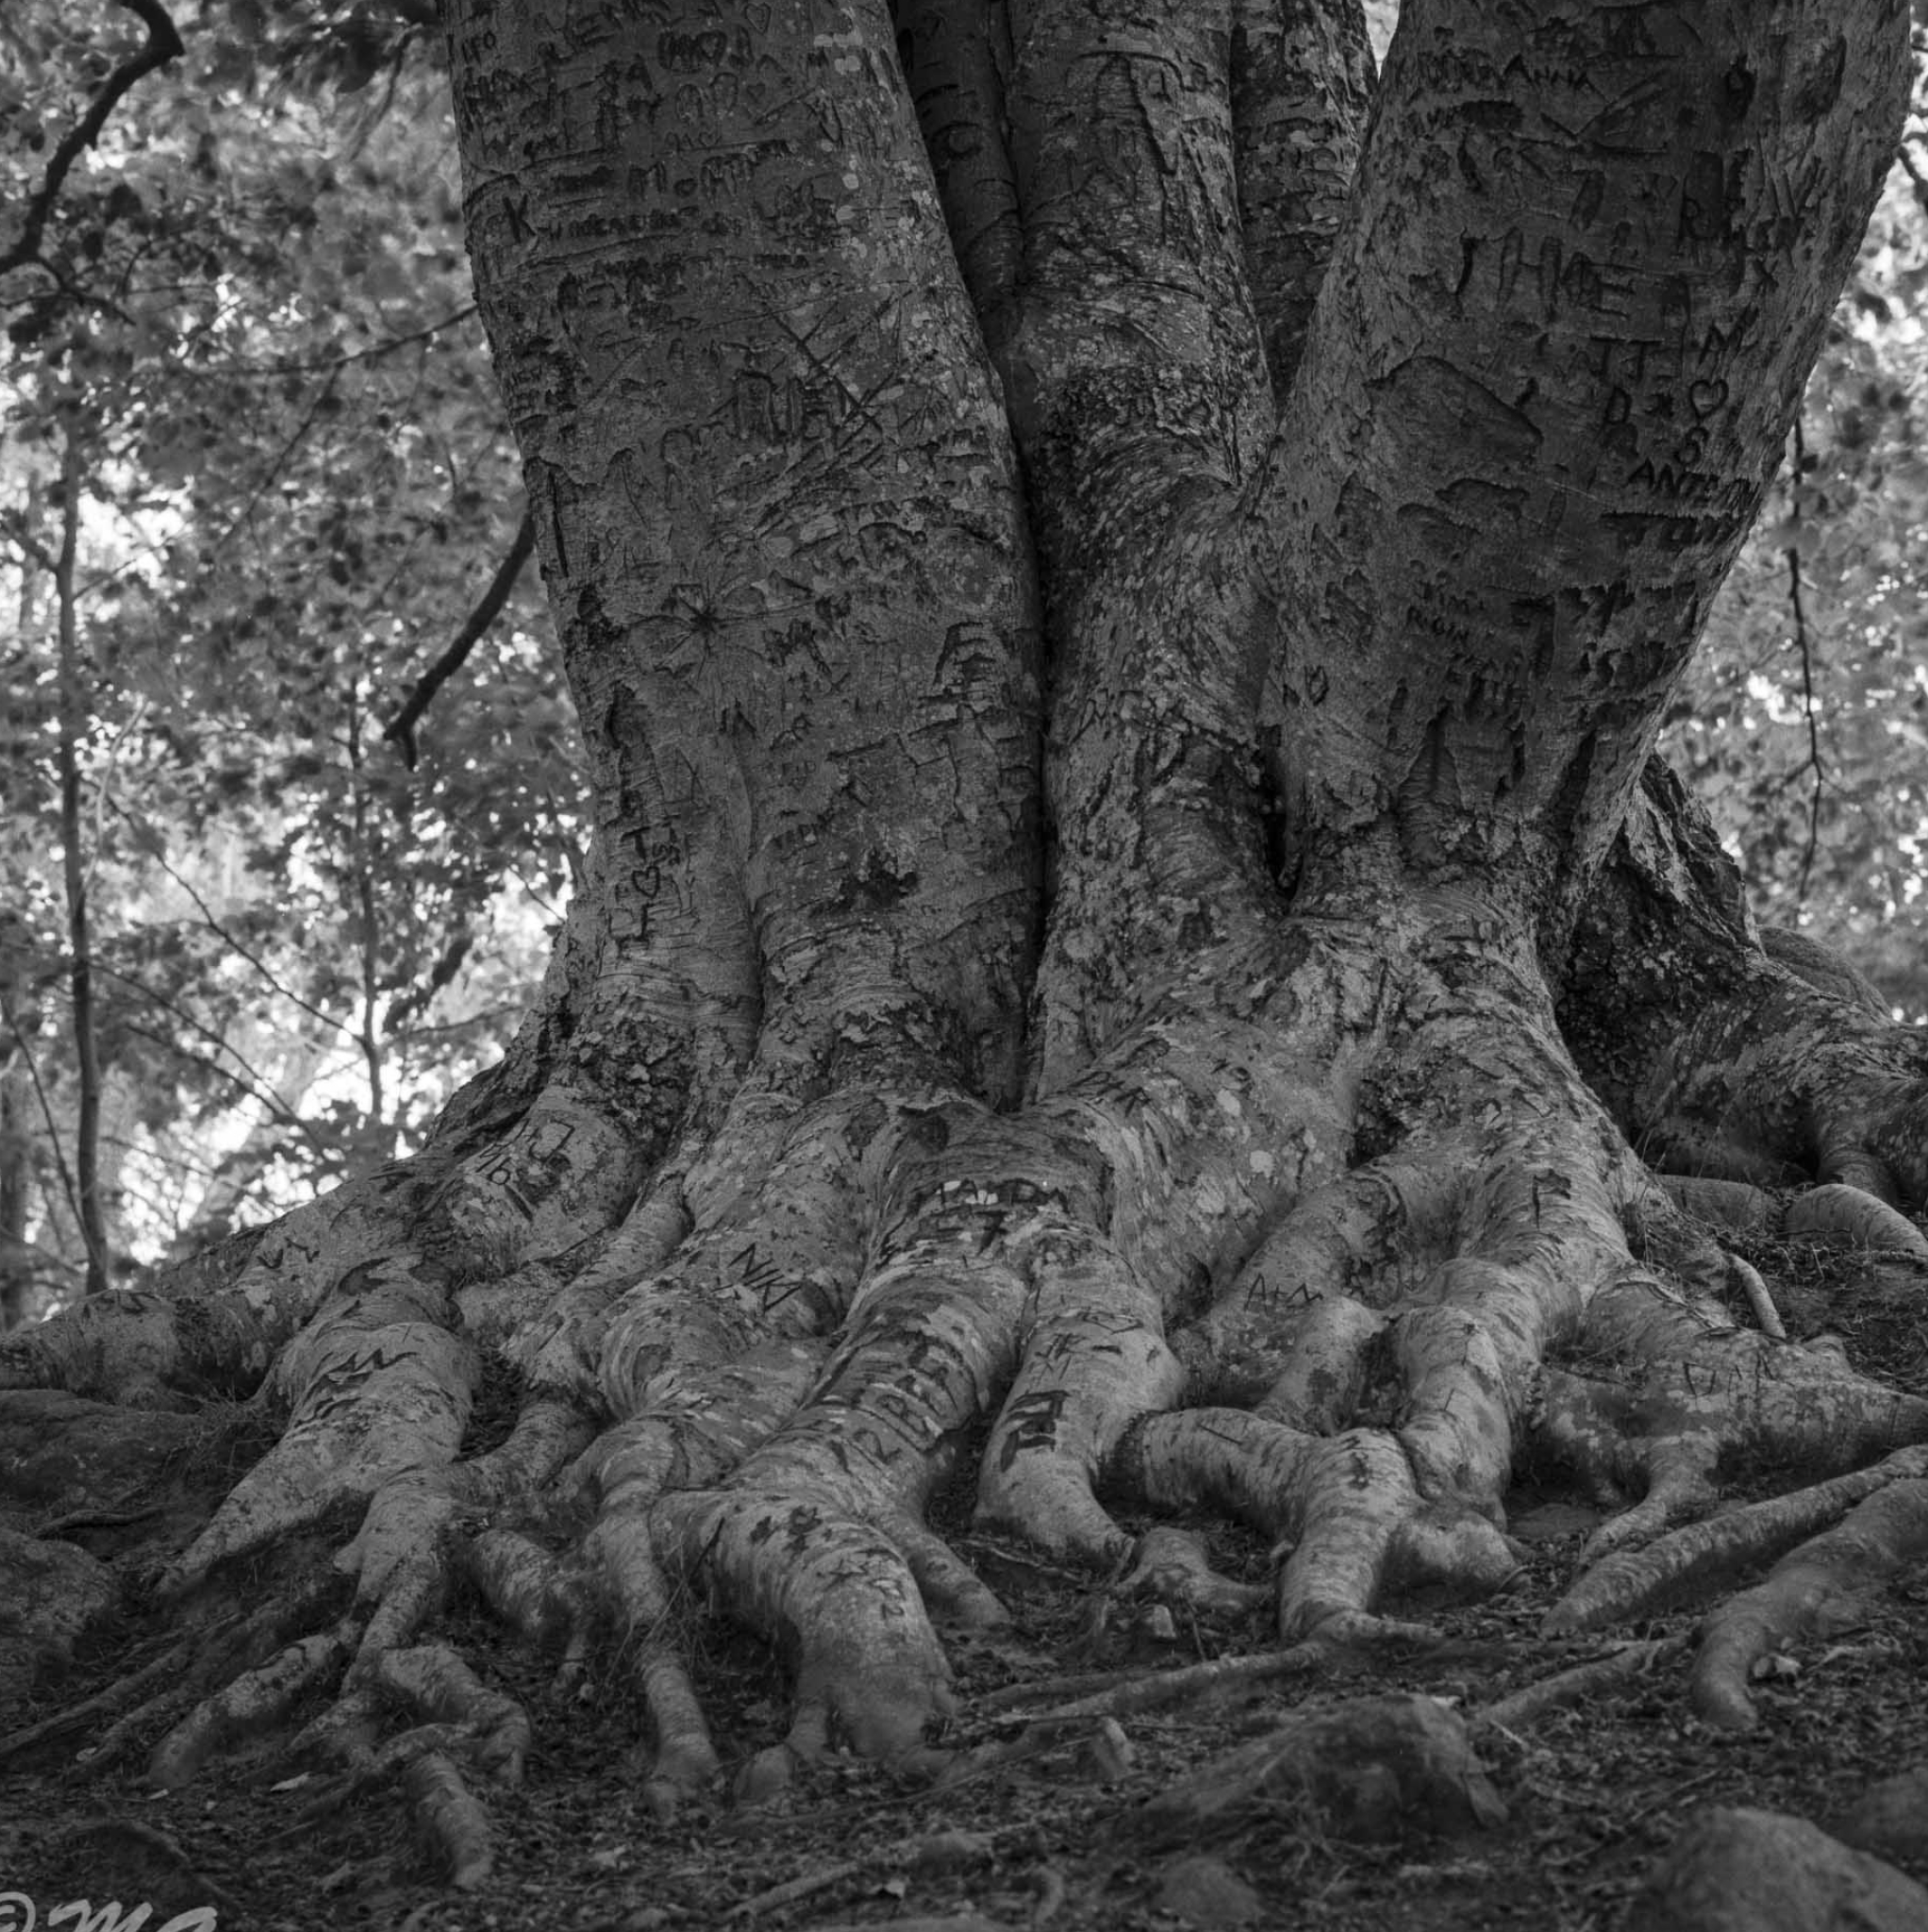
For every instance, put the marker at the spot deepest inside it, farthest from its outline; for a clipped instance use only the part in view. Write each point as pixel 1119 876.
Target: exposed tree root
pixel 1309 1217
pixel 1823 1585
pixel 1700 1556
pixel 455 1822
pixel 1720 1060
pixel 255 1701
pixel 1733 1207
pixel 131 1727
pixel 1138 1691
pixel 1173 1565
pixel 125 1855
pixel 1327 1253
pixel 1347 1505
pixel 1520 1710
pixel 1760 1300
pixel 1853 1214
pixel 424 1758
pixel 1717 1393
pixel 102 1703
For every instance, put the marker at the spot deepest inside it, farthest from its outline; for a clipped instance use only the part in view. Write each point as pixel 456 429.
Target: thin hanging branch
pixel 242 370
pixel 1808 706
pixel 164 45
pixel 250 1082
pixel 1814 757
pixel 152 846
pixel 295 440
pixel 402 730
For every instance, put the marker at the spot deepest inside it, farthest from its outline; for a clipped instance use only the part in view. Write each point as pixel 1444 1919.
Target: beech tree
pixel 1121 575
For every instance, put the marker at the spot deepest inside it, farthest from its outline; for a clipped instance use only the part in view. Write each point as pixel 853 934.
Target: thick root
pixel 379 1386
pixel 1724 1058
pixel 870 1670
pixel 1855 1215
pixel 455 1824
pixel 258 1701
pixel 1695 1392
pixel 1175 1286
pixel 1700 1556
pixel 1822 1586
pixel 1520 1710
pixel 1346 1507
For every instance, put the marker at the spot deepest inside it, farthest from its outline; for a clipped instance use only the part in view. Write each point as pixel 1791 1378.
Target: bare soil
pixel 1046 1836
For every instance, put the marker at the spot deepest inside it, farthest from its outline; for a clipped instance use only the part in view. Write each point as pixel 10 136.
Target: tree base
pixel 1327 1244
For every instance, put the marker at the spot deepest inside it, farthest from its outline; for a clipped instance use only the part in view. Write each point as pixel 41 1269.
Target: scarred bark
pixel 1171 959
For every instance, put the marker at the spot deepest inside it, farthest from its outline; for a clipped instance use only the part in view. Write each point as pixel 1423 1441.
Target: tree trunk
pixel 1120 607
pixel 89 1204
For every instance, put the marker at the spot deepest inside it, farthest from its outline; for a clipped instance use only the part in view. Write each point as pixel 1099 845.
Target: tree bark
pixel 1119 651
pixel 88 1209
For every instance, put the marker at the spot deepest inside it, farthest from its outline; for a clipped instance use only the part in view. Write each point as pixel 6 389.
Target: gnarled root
pixel 1345 1506
pixel 1325 1240
pixel 1822 1586
pixel 1741 1064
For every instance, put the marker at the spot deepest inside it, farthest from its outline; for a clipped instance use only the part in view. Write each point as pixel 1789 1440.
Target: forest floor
pixel 1050 1834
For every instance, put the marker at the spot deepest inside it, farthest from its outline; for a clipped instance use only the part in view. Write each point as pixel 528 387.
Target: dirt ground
pixel 1050 1832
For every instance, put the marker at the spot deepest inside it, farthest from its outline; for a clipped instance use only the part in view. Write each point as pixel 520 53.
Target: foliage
pixel 248 320
pixel 1803 723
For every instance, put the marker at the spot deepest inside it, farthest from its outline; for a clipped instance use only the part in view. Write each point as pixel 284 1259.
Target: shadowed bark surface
pixel 1120 577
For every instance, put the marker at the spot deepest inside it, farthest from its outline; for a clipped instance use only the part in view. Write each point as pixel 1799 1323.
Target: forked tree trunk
pixel 1118 654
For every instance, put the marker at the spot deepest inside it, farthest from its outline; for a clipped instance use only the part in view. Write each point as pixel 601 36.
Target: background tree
pixel 1800 724
pixel 1120 604
pixel 291 482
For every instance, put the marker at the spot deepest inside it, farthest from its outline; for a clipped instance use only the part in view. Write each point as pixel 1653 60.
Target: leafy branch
pixel 232 941
pixel 402 730
pixel 250 1081
pixel 329 365
pixel 164 45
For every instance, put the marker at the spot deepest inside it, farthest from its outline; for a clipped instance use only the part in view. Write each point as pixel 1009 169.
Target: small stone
pixel 1733 1869
pixel 1206 1891
pixel 1107 1755
pixel 1891 1818
pixel 1377 1769
pixel 950 1851
pixel 54 1592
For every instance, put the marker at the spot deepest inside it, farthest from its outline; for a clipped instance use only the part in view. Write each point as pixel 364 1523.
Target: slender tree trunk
pixel 20 1016
pixel 88 1204
pixel 16 1116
